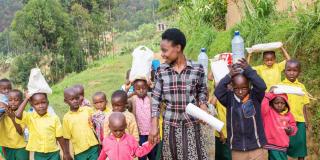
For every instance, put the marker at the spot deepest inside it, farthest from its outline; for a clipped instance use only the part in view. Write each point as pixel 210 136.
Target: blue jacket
pixel 244 124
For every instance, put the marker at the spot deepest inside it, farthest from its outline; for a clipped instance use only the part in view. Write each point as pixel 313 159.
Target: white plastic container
pixel 237 47
pixel 203 60
pixel 141 63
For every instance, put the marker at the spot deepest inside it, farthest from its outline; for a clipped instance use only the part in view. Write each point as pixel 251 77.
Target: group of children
pixel 258 120
pixel 86 133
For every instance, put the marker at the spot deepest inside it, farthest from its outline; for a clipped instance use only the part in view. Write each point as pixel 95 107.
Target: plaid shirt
pixel 177 91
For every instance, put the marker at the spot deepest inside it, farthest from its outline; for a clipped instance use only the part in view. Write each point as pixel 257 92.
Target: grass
pixel 107 75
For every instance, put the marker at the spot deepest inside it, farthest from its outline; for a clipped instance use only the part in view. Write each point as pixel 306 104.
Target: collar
pixel 287 81
pixel 284 112
pixel 112 137
pixel 245 99
pixel 79 110
pixel 36 115
pixel 166 65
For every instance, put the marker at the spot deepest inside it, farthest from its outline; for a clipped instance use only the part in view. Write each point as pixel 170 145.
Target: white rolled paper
pixel 281 89
pixel 202 115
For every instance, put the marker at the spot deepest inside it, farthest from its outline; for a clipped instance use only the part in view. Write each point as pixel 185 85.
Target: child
pixel 5 86
pixel 100 102
pixel 244 124
pixel 80 90
pixel 141 106
pixel 45 129
pixel 120 145
pixel 119 100
pixel 77 129
pixel 278 124
pixel 12 133
pixel 270 71
pixel 298 105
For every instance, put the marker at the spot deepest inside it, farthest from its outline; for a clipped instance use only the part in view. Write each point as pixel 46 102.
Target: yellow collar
pixel 287 81
pixel 36 115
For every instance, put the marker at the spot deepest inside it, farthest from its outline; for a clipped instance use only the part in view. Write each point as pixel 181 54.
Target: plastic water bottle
pixel 203 59
pixel 237 47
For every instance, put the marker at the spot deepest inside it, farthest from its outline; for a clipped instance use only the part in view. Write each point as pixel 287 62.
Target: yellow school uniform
pixel 222 116
pixel 296 102
pixel 272 75
pixel 9 137
pixel 131 129
pixel 77 129
pixel 43 131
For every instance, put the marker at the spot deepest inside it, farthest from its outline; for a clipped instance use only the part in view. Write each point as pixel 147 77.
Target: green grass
pixel 107 75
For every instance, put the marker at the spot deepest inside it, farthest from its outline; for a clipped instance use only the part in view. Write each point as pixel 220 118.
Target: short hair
pixel 175 36
pixel 294 61
pixel 5 80
pixel 20 94
pixel 142 80
pixel 269 52
pixel 100 94
pixel 120 93
pixel 45 94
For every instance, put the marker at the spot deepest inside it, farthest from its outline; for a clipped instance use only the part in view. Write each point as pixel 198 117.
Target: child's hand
pixel 27 95
pixel 9 112
pixel 243 63
pixel 288 130
pixel 233 70
pixel 222 138
pixel 272 89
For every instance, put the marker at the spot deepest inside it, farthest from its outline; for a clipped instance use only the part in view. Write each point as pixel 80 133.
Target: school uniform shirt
pixel 297 102
pixel 272 75
pixel 43 131
pixel 77 129
pixel 9 137
pixel 131 129
pixel 222 116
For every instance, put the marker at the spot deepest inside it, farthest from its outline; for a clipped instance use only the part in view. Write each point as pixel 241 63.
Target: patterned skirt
pixel 183 143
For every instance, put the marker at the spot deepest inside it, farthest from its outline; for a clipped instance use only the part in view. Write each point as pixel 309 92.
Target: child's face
pixel 279 104
pixel 240 86
pixel 5 87
pixel 118 128
pixel 71 97
pixel 100 102
pixel 118 104
pixel 141 89
pixel 80 91
pixel 14 100
pixel 269 60
pixel 292 71
pixel 40 103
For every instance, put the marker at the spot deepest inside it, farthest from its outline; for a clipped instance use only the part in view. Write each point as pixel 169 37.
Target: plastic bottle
pixel 203 59
pixel 237 47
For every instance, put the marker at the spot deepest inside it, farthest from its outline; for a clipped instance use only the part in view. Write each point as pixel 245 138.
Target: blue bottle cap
pixel 237 33
pixel 203 49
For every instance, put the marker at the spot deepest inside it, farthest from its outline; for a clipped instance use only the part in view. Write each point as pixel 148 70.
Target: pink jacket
pixel 274 124
pixel 126 148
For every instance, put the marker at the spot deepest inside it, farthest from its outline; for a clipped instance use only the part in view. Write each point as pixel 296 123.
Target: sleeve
pixel 293 125
pixel 259 86
pixel 144 149
pixel 59 129
pixel 103 155
pixel 202 87
pixel 282 65
pixel 221 91
pixel 157 95
pixel 25 119
pixel 265 106
pixel 306 99
pixel 133 128
pixel 66 129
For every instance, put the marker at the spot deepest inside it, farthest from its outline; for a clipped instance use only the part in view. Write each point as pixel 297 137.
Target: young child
pixel 141 107
pixel 270 71
pixel 80 90
pixel 100 102
pixel 298 105
pixel 278 124
pixel 77 129
pixel 45 129
pixel 246 136
pixel 11 136
pixel 121 145
pixel 119 100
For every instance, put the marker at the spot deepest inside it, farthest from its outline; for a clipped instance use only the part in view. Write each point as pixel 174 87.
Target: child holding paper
pixel 246 136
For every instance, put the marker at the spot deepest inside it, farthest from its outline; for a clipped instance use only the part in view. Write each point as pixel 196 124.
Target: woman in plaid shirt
pixel 178 82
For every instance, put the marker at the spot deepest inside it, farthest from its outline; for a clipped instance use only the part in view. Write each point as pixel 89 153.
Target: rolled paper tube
pixel 281 89
pixel 198 113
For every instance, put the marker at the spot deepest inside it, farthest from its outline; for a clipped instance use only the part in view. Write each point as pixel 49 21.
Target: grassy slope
pixel 107 75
